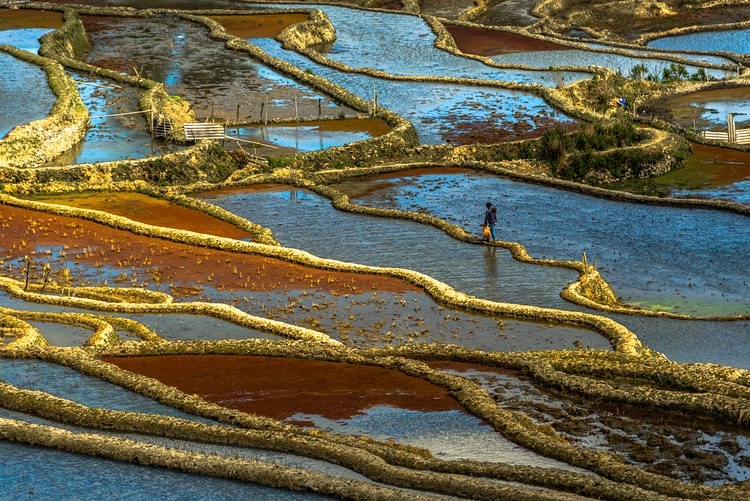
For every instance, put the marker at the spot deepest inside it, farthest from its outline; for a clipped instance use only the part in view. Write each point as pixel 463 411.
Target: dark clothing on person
pixel 490 219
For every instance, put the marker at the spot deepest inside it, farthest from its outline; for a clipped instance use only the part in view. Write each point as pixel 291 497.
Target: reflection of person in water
pixel 490 265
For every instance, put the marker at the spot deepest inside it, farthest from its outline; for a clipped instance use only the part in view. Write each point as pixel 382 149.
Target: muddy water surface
pixel 260 26
pixel 12 19
pixel 489 42
pixel 670 439
pixel 281 387
pixel 708 110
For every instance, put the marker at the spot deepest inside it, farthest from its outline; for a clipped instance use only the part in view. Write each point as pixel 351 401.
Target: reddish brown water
pixel 260 25
pixel 23 18
pixel 281 387
pixel 488 42
pixel 150 210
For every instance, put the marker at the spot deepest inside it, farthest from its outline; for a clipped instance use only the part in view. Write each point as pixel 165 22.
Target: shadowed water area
pixel 214 79
pixel 42 473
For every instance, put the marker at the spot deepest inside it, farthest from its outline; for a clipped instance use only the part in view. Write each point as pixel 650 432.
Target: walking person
pixel 490 219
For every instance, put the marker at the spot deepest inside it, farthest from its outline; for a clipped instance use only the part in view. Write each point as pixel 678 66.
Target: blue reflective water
pixel 117 130
pixel 23 38
pixel 715 110
pixel 477 270
pixel 402 44
pixel 736 41
pixel 305 220
pixel 17 106
pixel 656 256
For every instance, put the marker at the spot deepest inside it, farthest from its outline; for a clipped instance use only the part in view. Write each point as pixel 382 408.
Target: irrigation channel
pixel 266 340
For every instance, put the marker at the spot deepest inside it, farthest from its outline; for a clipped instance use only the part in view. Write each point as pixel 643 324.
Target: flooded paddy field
pixel 352 356
pixel 356 312
pixel 487 272
pixel 735 40
pixel 117 130
pixel 404 45
pixel 506 47
pixel 442 112
pixel 709 110
pixel 311 135
pixel 707 454
pixel 95 478
pixel 622 238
